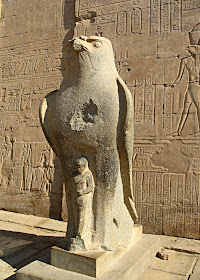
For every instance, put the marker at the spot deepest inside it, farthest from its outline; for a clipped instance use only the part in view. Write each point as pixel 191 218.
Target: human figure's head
pixel 7 139
pixel 194 35
pixel 82 164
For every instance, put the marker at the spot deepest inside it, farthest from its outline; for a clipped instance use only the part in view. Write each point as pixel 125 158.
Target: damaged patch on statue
pixel 84 116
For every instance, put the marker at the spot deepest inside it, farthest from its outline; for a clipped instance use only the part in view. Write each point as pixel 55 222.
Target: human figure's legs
pixel 184 115
pixel 198 113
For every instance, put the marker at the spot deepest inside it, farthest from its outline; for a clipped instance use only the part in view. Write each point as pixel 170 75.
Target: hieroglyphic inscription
pixel 34 65
pixel 158 219
pixel 136 21
pixel 152 188
pixel 176 15
pixel 188 220
pixel 154 16
pixel 195 222
pixel 173 188
pixel 96 3
pixel 149 114
pixel 139 102
pixel 195 190
pixel 172 216
pixel 165 16
pixel 188 189
pixel 105 19
pixel 121 22
pixel 168 109
pixel 180 195
pixel 190 4
pixel 144 101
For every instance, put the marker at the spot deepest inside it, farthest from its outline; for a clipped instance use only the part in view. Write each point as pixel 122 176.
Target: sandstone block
pixel 91 263
pixel 10 245
pixel 152 274
pixel 165 255
pixel 129 266
pixel 179 264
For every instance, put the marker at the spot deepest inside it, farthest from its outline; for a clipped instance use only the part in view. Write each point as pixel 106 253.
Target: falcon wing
pixel 125 145
pixel 43 114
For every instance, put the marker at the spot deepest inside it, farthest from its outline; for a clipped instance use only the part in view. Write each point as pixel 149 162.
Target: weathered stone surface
pixel 129 266
pixel 194 277
pixel 151 274
pixel 180 244
pixel 91 263
pixel 150 40
pixel 179 264
pixel 165 254
pixel 197 268
pixel 191 246
pixel 6 270
pixel 30 224
pixel 11 245
pixel 37 270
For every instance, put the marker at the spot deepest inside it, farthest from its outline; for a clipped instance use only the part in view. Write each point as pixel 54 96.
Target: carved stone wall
pixel 150 38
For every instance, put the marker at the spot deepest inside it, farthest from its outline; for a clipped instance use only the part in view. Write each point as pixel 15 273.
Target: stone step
pixel 9 245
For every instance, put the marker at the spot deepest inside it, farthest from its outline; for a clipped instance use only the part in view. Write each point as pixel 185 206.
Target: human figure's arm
pixel 90 184
pixel 180 73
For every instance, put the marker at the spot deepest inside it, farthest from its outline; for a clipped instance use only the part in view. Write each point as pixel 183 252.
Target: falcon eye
pixel 98 44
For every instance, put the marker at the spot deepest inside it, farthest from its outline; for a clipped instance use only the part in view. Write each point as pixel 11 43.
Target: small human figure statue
pixel 84 191
pixel 192 64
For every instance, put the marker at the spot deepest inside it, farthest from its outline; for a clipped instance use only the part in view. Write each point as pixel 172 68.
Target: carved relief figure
pixel 91 115
pixel 44 172
pixel 84 191
pixel 192 64
pixel 7 164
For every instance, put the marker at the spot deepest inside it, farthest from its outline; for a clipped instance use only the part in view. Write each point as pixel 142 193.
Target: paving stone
pixel 132 264
pixel 194 277
pixel 151 274
pixel 6 275
pixel 180 244
pixel 21 256
pixel 33 221
pixel 179 264
pixel 54 225
pixel 186 245
pixel 18 218
pixel 197 268
pixel 6 270
pixel 7 226
pixel 129 266
pixel 10 245
pixel 39 270
pixel 167 241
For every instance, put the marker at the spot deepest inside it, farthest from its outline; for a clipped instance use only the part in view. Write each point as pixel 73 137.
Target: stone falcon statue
pixel 91 116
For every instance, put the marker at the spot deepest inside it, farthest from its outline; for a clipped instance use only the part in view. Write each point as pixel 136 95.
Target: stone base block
pixel 129 266
pixel 91 263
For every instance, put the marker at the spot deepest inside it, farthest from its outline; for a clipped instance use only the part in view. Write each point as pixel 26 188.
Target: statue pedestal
pixel 128 266
pixel 91 263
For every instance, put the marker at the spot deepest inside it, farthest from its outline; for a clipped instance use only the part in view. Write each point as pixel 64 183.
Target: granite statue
pixel 89 120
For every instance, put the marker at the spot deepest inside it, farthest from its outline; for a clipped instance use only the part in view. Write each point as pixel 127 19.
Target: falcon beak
pixel 79 44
